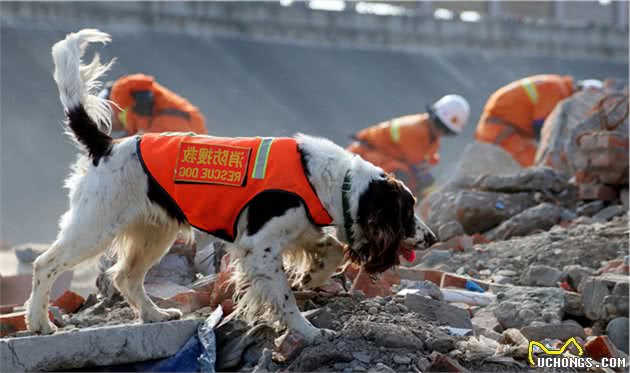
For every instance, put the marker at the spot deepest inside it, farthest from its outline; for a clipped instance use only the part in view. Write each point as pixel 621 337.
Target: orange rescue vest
pixel 212 179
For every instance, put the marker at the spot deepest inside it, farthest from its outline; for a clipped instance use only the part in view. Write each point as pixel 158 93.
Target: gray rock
pixel 204 261
pixel 372 310
pixel 426 288
pixel 576 274
pixel 606 296
pixel 609 213
pixel 438 311
pixel 623 196
pixel 450 230
pixel 542 216
pixel 386 335
pixel 519 306
pixel 541 275
pixel 617 330
pixel 381 368
pixel 102 346
pixel 392 308
pixel 561 331
pixel 402 360
pixel 591 208
pixel 506 272
pixel 435 257
pixel 444 344
pixel 363 357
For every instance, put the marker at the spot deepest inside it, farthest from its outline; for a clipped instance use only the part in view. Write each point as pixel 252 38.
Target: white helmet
pixel 587 84
pixel 452 111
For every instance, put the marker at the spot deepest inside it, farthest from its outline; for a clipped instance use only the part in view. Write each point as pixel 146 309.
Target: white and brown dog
pixel 115 203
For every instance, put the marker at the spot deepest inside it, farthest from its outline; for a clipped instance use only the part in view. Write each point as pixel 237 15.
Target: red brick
pixel 581 160
pixel 451 280
pixel 443 363
pixel 381 287
pixel 479 238
pixel 600 347
pixel 604 160
pixel 585 177
pixel 192 301
pixel 6 309
pixel 288 346
pixel 69 301
pixel 596 191
pixel 612 140
pixel 15 322
pixel 413 274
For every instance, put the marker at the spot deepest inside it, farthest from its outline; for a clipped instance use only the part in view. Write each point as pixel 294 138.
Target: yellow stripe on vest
pixel 394 129
pixel 262 156
pixel 531 90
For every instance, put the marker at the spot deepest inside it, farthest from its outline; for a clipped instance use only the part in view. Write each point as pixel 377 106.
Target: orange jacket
pixel 212 179
pixel 527 102
pixel 513 114
pixel 169 112
pixel 399 145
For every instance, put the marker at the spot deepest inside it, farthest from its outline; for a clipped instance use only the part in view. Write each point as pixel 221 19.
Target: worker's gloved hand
pixel 538 125
pixel 143 105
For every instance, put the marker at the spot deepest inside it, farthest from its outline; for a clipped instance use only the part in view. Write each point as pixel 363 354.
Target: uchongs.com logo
pixel 540 356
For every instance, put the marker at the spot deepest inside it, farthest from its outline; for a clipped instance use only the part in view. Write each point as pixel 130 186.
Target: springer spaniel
pixel 114 203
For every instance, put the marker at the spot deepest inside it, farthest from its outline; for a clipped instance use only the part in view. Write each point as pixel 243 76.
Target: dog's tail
pixel 88 116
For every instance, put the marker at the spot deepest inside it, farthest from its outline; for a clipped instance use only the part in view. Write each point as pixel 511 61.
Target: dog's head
pixel 387 226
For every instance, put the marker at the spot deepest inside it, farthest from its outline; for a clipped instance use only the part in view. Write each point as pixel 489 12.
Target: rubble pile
pixel 475 309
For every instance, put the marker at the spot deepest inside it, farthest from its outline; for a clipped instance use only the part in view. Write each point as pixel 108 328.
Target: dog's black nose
pixel 430 239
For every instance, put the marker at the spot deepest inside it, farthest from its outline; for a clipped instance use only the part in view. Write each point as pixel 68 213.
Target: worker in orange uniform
pixel 408 146
pixel 514 115
pixel 143 105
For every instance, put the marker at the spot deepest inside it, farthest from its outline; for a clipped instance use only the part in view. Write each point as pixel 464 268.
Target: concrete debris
pixel 606 296
pixel 481 159
pixel 617 331
pixel 103 346
pixel 609 213
pixel 468 304
pixel 438 311
pixel 533 219
pixel 541 275
pixel 520 306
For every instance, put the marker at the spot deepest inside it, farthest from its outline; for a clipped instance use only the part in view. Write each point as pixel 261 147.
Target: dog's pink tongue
pixel 409 255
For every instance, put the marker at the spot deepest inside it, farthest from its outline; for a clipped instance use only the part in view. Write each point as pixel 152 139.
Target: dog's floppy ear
pixel 383 226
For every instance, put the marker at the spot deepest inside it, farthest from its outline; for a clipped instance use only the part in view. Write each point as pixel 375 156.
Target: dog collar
pixel 345 204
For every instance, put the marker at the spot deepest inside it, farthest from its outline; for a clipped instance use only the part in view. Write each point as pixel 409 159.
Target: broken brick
pixel 168 294
pixel 596 191
pixel 69 301
pixel 373 286
pixel 600 347
pixel 443 363
pixel 15 322
pixel 288 346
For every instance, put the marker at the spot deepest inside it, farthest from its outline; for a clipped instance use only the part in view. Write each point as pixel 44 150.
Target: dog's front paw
pixel 158 314
pixel 39 325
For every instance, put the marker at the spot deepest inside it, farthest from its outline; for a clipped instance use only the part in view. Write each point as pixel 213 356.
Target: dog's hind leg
pixel 74 245
pixel 140 248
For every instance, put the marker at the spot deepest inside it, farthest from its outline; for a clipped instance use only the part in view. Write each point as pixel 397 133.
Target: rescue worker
pixel 408 146
pixel 514 115
pixel 143 105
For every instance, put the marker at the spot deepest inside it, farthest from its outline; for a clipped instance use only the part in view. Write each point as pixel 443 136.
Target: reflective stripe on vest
pixel 394 129
pixel 530 88
pixel 260 164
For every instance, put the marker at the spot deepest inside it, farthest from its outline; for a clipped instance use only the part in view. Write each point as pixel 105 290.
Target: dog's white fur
pixel 109 207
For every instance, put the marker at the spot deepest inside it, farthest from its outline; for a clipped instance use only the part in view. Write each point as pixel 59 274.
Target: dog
pixel 115 203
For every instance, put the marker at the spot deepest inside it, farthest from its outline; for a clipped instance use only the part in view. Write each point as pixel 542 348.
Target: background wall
pixel 245 84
